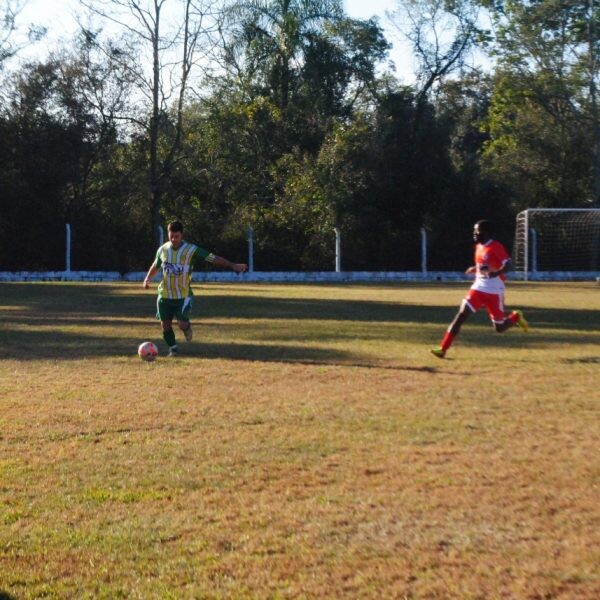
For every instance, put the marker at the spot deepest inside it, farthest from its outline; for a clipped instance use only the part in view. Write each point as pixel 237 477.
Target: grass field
pixel 305 445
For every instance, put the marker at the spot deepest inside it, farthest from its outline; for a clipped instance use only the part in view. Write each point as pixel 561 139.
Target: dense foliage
pixel 293 127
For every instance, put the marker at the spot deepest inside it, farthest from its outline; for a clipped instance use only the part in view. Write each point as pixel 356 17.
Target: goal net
pixel 563 241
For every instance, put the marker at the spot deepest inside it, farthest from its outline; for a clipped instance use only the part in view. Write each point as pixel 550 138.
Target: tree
pixel 12 38
pixel 543 121
pixel 271 38
pixel 333 72
pixel 338 73
pixel 37 152
pixel 258 158
pixel 68 161
pixel 442 33
pixel 462 105
pixel 167 57
pixel 593 76
pixel 224 181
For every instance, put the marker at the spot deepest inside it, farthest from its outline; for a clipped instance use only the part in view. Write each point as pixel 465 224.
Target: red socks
pixel 447 341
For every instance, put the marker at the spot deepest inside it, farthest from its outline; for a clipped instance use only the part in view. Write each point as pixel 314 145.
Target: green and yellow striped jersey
pixel 177 266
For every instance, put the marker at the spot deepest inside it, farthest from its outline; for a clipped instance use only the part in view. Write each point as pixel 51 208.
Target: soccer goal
pixel 557 243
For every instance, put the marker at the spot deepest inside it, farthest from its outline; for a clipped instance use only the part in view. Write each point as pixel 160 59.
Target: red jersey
pixel 491 256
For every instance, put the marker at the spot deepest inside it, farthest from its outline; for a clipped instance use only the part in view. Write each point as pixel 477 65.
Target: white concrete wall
pixel 290 276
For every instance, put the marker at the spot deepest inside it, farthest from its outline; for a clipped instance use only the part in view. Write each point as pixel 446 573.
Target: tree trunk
pixel 154 171
pixel 593 60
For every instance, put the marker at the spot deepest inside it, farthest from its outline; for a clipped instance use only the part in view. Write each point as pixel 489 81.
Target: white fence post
pixel 250 233
pixel 526 252
pixel 338 250
pixel 68 249
pixel 423 251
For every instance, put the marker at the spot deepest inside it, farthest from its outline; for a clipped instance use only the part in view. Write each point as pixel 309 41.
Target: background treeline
pixel 284 115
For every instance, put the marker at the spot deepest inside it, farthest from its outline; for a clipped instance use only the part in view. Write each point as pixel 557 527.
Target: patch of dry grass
pixel 305 445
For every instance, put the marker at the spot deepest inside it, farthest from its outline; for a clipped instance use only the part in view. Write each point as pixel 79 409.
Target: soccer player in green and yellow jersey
pixel 176 259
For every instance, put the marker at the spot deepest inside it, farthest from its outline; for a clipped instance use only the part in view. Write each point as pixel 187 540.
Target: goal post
pixel 557 243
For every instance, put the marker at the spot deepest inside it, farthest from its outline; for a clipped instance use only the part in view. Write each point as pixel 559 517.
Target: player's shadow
pixel 104 304
pixel 584 360
pixel 290 355
pixel 76 321
pixel 6 596
pixel 72 304
pixel 64 346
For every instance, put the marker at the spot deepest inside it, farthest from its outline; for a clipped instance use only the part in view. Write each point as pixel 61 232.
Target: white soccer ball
pixel 147 351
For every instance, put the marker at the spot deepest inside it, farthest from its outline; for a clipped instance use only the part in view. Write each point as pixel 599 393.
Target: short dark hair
pixel 175 226
pixel 485 225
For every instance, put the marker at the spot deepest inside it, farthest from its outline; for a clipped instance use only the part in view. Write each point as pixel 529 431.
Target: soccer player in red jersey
pixel 491 263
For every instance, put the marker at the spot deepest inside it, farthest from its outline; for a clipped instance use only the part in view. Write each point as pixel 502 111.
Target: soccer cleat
pixel 438 352
pixel 188 333
pixel 521 321
pixel 173 351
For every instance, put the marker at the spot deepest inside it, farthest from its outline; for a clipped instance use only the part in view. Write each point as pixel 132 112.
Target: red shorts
pixel 494 303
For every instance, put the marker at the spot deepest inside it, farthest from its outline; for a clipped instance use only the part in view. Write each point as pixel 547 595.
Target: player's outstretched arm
pixel 219 261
